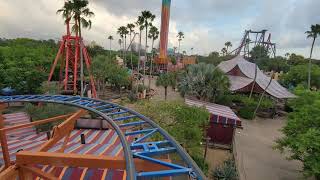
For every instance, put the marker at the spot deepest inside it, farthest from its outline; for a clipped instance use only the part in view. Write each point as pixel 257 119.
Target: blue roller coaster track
pixel 119 117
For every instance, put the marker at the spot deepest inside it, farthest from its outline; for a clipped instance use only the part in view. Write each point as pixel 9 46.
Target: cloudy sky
pixel 207 24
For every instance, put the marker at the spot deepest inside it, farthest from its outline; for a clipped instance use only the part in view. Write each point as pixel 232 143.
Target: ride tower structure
pixel 252 39
pixel 68 58
pixel 162 60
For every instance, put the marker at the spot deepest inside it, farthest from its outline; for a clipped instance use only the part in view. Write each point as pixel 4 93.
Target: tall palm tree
pixel 110 39
pixel 148 18
pixel 224 51
pixel 228 44
pixel 139 23
pixel 131 27
pixel 180 36
pixel 191 51
pixel 313 33
pixel 153 35
pixel 79 12
pixel 122 30
pixel 120 43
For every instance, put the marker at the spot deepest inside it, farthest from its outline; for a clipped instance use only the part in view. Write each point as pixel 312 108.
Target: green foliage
pixel 259 52
pixel 25 63
pixel 203 81
pixel 298 75
pixel 203 165
pixel 302 131
pixel 166 80
pixel 181 121
pixel 276 64
pixel 105 69
pixel 47 111
pixel 296 59
pixel 227 171
pixel 213 58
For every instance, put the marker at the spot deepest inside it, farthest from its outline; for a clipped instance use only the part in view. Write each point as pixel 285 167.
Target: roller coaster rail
pixel 113 114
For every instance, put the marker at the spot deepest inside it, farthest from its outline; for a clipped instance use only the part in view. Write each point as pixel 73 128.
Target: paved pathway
pixel 255 157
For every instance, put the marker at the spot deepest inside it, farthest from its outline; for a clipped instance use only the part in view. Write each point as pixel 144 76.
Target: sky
pixel 207 24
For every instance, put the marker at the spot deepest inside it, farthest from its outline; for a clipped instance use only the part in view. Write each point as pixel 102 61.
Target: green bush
pixel 47 111
pixel 227 171
pixel 246 112
pixel 204 166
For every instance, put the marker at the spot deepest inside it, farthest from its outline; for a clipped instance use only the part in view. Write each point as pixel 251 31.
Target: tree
pixel 131 27
pixel 123 32
pixel 295 59
pixel 228 44
pixel 203 81
pixel 259 52
pixel 180 36
pixel 302 132
pixel 165 80
pixel 153 35
pixel 224 51
pixel 298 74
pixel 313 34
pixel 147 19
pixel 191 50
pixel 110 38
pixel 140 24
pixel 79 11
pixel 120 43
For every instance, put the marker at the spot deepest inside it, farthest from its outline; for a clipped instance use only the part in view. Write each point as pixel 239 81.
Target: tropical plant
pixel 123 32
pixel 120 44
pixel 203 81
pixel 302 132
pixel 224 51
pixel 180 36
pixel 313 34
pixel 131 27
pixel 140 24
pixel 153 35
pixel 165 80
pixel 110 39
pixel 228 44
pixel 79 12
pixel 147 19
pixel 227 171
pixel 298 74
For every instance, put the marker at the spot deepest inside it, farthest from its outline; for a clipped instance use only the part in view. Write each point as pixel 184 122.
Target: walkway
pixel 255 157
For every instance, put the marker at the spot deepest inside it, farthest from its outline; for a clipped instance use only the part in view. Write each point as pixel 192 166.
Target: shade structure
pixel 223 121
pixel 242 74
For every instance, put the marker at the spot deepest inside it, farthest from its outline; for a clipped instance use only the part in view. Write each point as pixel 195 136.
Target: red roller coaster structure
pixel 253 39
pixel 68 57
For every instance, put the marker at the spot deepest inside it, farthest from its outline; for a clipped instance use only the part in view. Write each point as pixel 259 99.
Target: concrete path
pixel 256 159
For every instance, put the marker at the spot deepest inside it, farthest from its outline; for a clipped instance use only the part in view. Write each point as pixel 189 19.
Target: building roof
pixel 219 113
pixel 248 70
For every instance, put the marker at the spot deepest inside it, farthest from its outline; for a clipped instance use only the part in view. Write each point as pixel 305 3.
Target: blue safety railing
pixel 143 147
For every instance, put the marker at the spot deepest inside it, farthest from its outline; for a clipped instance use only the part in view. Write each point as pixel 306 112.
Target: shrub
pixel 227 171
pixel 46 111
pixel 204 166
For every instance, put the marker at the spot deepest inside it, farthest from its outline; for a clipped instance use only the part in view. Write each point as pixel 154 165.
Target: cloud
pixel 207 24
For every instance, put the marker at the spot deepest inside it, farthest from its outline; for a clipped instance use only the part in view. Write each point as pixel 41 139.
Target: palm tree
pixel 228 44
pixel 110 38
pixel 131 27
pixel 148 18
pixel 153 35
pixel 191 51
pixel 180 36
pixel 203 81
pixel 139 24
pixel 313 33
pixel 224 51
pixel 287 55
pixel 184 52
pixel 78 10
pixel 165 80
pixel 122 31
pixel 120 43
